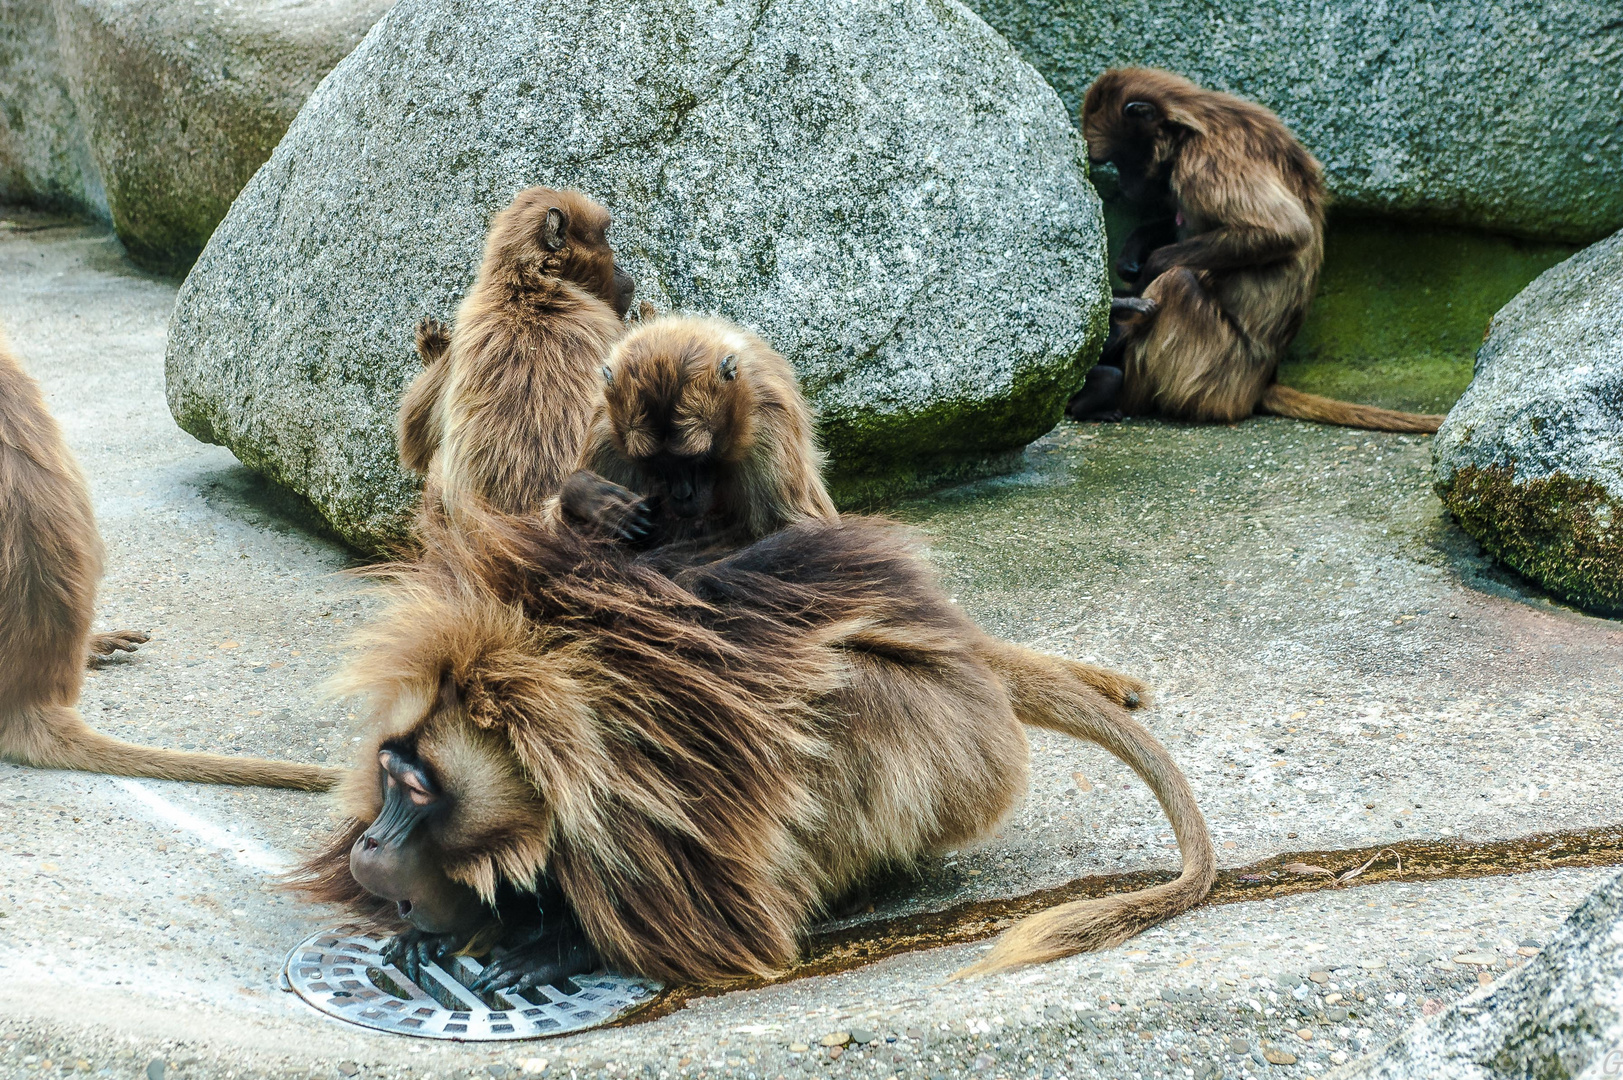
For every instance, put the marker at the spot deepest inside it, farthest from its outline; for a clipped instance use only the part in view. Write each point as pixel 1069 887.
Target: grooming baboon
pixel 706 422
pixel 704 438
pixel 50 564
pixel 502 405
pixel 1218 306
pixel 669 764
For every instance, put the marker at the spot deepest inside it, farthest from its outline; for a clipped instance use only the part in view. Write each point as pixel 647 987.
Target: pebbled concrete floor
pixel 1335 664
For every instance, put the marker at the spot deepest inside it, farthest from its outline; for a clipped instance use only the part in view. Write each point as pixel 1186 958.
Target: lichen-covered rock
pixel 1559 1016
pixel 1531 458
pixel 1497 115
pixel 882 188
pixel 44 155
pixel 181 102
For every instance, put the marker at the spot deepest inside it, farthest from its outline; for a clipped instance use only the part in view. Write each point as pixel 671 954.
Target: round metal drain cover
pixel 342 975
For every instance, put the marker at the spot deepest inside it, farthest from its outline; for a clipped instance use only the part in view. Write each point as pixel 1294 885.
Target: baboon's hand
pixel 414 948
pixel 545 960
pixel 433 340
pixel 1131 309
pixel 605 508
pixel 105 645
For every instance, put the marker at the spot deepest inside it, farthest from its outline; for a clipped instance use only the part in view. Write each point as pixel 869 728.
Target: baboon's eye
pixel 729 367
pixel 608 375
pixel 1139 110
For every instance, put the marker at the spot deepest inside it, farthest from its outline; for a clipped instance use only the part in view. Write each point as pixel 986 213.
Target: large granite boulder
pixel 1531 458
pixel 154 113
pixel 1559 1016
pixel 1503 116
pixel 882 188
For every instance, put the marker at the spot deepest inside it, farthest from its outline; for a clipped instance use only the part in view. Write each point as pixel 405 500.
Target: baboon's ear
pixel 555 230
pixel 1139 110
pixel 729 367
pixel 450 700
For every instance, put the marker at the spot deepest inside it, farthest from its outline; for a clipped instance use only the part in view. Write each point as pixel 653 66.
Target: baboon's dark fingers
pixel 1129 308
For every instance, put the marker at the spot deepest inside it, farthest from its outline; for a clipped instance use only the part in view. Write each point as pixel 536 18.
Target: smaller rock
pixel 533 1066
pixel 1279 1057
pixel 1290 981
pixel 834 1052
pixel 155 1069
pixel 1320 977
pixel 497 1071
pixel 982 1063
pixel 1370 964
pixel 862 1035
pixel 1336 1014
pixel 1238 1045
pixel 835 1038
pixel 1305 1034
pixel 346 1068
pixel 798 1048
pixel 1481 959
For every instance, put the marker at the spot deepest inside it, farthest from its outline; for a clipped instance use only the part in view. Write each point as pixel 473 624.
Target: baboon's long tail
pixel 1284 401
pixel 1061 695
pixel 56 737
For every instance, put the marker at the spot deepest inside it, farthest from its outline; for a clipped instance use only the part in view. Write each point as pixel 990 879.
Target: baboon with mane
pixel 672 762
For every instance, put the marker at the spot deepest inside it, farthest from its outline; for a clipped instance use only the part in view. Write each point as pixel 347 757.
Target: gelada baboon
pixel 586 755
pixel 50 564
pixel 502 405
pixel 1217 305
pixel 705 422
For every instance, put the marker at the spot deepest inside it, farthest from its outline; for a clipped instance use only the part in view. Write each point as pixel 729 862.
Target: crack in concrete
pixel 845 947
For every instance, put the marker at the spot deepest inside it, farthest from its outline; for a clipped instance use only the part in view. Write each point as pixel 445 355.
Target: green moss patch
pixel 1566 534
pixel 1401 311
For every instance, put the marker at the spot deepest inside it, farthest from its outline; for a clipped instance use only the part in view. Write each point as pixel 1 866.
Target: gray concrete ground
pixel 1336 666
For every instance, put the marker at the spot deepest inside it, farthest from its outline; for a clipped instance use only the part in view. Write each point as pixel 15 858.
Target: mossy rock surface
pixel 885 190
pixel 1531 458
pixel 1401 310
pixel 154 113
pixel 1496 115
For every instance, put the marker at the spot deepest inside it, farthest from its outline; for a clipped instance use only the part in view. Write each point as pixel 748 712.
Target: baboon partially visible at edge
pixel 50 564
pixel 1243 203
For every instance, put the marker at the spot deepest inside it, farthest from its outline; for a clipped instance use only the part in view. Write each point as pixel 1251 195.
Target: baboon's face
pixel 1125 127
pixel 451 802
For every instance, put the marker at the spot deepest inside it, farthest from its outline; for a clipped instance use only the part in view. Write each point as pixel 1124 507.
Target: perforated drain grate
pixel 342 975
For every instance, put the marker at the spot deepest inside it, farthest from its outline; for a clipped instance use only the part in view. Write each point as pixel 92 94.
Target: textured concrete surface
pixel 1336 665
pixel 1496 114
pixel 866 183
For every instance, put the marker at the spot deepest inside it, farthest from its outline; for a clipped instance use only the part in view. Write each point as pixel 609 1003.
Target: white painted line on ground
pixel 250 853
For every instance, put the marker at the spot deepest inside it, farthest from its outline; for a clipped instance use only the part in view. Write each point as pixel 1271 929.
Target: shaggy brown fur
pixel 704 754
pixel 501 408
pixel 705 419
pixel 1227 297
pixel 50 563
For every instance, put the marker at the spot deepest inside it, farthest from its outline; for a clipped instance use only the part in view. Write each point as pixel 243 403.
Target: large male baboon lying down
pixel 671 765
